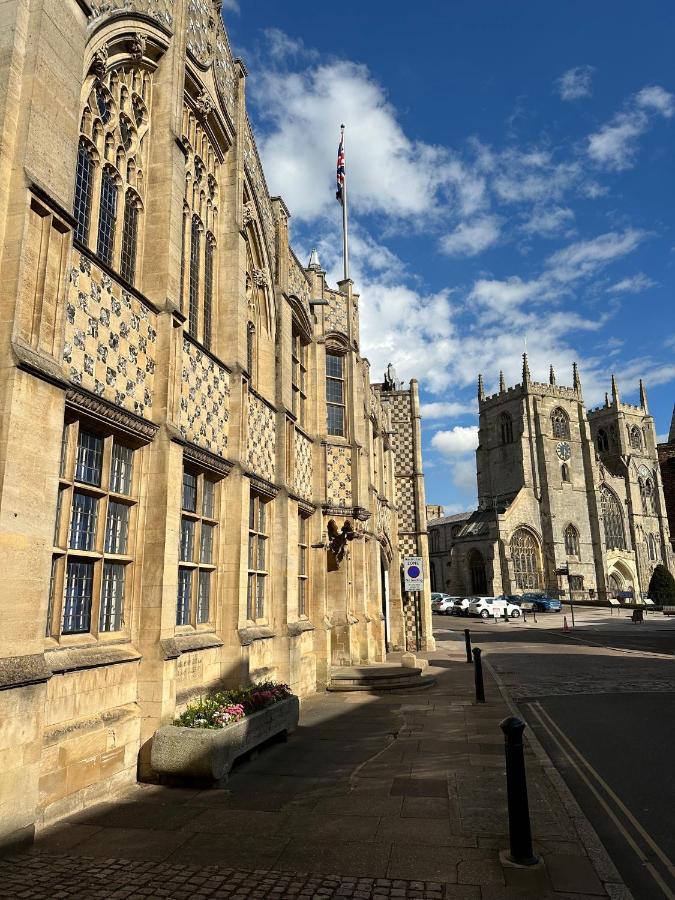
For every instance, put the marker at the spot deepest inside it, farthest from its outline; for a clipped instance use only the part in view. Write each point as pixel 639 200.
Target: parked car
pixel 460 606
pixel 491 606
pixel 543 603
pixel 441 604
pixel 511 598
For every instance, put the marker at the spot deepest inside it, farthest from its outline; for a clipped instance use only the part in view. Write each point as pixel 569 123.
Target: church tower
pixel 537 471
pixel 625 438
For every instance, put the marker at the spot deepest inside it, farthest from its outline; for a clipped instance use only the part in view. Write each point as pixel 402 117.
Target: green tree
pixel 662 586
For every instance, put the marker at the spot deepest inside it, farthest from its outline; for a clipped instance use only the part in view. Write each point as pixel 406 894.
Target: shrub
pixel 223 708
pixel 662 586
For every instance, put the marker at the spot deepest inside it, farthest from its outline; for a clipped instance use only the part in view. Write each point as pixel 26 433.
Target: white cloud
pixel 548 221
pixel 615 144
pixel 656 99
pixel 584 258
pixel 457 441
pixel 633 285
pixel 231 6
pixel 446 410
pixel 471 238
pixel 575 83
pixel 386 171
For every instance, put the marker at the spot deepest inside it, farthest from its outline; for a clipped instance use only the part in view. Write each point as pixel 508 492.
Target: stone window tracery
pixel 647 495
pixel 612 516
pixel 653 548
pixel 200 227
pixel 635 438
pixel 526 557
pixel 560 423
pixel 506 428
pixel 571 541
pixel 603 441
pixel 111 165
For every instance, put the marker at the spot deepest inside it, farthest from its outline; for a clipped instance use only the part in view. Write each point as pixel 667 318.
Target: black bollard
pixel 467 641
pixel 478 675
pixel 520 834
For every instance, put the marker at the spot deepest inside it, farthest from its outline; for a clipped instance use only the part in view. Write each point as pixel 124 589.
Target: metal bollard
pixel 478 675
pixel 467 641
pixel 520 834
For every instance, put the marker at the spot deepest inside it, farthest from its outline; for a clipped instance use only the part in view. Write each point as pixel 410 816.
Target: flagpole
pixel 345 219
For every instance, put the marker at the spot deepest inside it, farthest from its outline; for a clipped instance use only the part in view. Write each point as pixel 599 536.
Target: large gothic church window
pixel 571 541
pixel 506 428
pixel 603 441
pixel 560 423
pixel 111 166
pixel 200 227
pixel 635 438
pixel 526 558
pixel 612 516
pixel 477 570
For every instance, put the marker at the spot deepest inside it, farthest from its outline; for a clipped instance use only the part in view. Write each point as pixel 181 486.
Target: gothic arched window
pixel 603 441
pixel 526 558
pixel 653 548
pixel 565 472
pixel 110 180
pixel 193 289
pixel 560 423
pixel 635 438
pixel 612 516
pixel 571 541
pixel 649 497
pixel 250 350
pixel 130 237
pixel 83 185
pixel 506 428
pixel 477 570
pixel 643 494
pixel 208 288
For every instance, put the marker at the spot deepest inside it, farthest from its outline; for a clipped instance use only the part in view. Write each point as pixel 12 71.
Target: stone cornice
pixel 96 408
pixel 204 459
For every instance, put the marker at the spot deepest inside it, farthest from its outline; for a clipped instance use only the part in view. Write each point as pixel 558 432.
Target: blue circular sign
pixel 414 571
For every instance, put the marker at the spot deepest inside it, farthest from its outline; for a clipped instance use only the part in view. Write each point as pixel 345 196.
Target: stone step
pixel 378 678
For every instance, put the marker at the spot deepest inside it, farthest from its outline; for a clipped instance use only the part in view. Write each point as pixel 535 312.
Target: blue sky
pixel 511 179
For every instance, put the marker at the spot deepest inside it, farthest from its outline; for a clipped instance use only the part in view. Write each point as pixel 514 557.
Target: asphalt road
pixel 601 700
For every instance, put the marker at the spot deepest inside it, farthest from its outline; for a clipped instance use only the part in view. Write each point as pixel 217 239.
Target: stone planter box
pixel 207 754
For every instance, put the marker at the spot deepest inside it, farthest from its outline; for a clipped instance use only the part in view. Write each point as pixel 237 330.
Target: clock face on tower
pixel 563 450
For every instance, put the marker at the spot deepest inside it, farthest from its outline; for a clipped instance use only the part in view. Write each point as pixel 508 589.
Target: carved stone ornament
pixel 248 213
pixel 138 46
pixel 205 104
pixel 99 61
pixel 260 278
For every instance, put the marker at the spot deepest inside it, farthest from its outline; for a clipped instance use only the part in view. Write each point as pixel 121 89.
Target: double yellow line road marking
pixel 620 815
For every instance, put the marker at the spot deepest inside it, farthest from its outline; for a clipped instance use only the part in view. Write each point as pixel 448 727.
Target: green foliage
pixel 207 712
pixel 662 586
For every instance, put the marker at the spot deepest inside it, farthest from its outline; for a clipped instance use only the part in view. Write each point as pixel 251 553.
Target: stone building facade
pixel 443 532
pixel 198 483
pixel 562 487
pixel 666 452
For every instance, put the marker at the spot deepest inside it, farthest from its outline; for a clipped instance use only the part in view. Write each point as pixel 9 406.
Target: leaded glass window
pixel 112 597
pixel 335 393
pixel 89 458
pixel 612 516
pixel 257 556
pixel 208 290
pixel 83 522
pixel 117 528
pixel 83 186
pixel 129 238
pixel 303 579
pixel 560 423
pixel 78 597
pixel 635 438
pixel 197 550
pixel 506 428
pixel 299 375
pixel 571 541
pixel 121 469
pixel 107 217
pixel 526 558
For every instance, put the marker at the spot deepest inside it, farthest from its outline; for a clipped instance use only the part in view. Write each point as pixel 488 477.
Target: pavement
pixel 600 697
pixel 395 795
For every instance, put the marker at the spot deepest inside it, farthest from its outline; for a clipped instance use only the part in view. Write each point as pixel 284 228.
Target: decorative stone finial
pixel 643 396
pixel 481 390
pixel 526 370
pixel 551 375
pixel 314 260
pixel 576 379
pixel 502 383
pixel 615 391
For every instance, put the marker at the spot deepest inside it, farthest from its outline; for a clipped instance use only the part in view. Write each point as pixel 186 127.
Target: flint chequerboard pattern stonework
pixel 303 466
pixel 110 340
pixel 204 400
pixel 262 438
pixel 405 500
pixel 339 475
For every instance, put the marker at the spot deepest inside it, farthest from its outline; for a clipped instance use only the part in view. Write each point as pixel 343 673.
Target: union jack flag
pixel 339 194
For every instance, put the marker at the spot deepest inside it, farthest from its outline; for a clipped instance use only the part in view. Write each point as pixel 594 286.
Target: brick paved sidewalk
pixel 374 797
